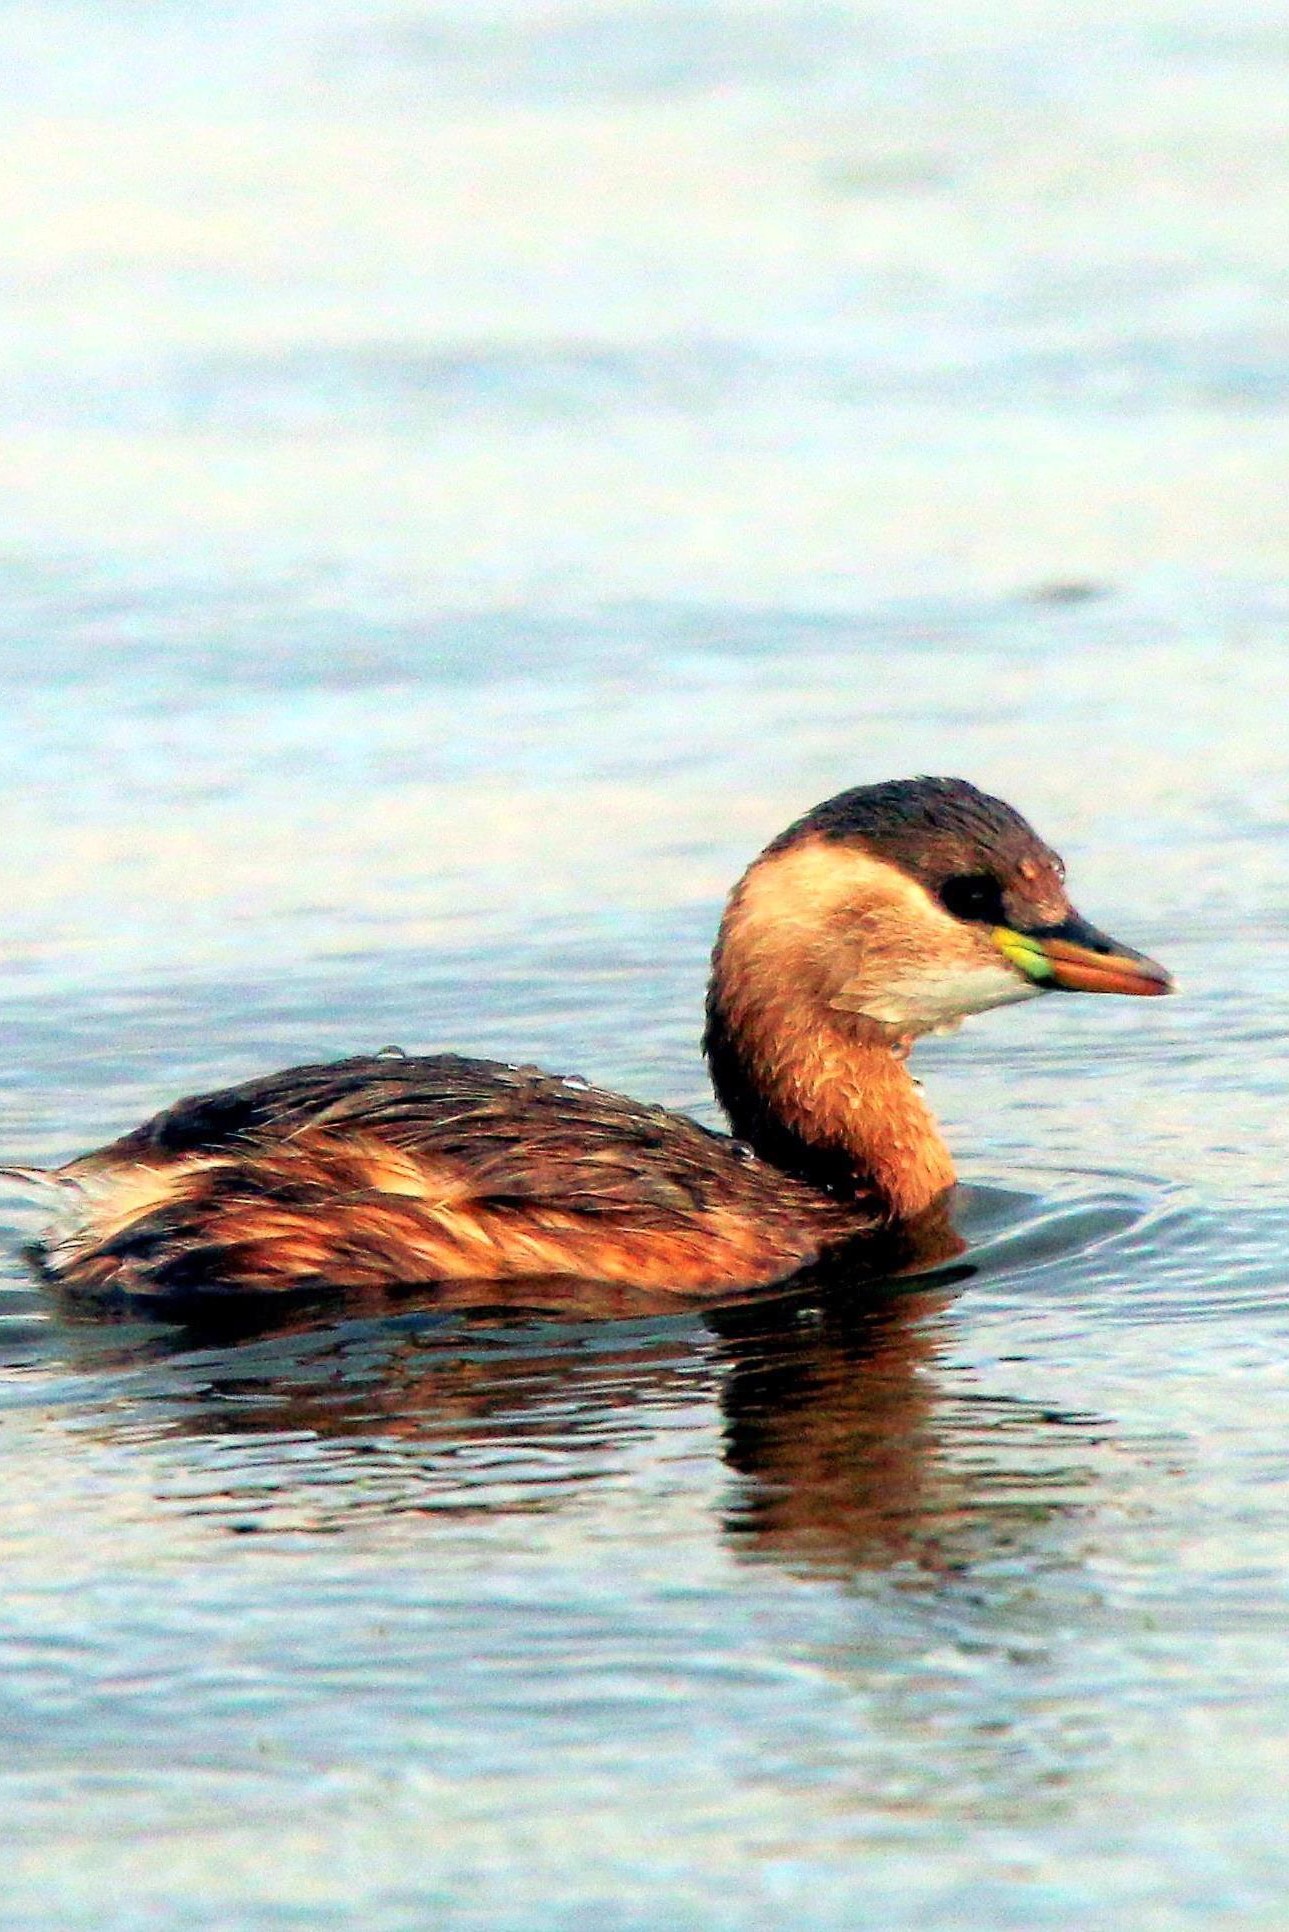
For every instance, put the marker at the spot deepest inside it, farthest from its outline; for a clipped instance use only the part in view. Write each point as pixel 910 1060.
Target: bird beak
pixel 1075 958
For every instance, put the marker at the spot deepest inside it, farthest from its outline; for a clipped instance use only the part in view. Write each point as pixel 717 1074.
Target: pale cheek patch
pixel 928 1002
pixel 859 936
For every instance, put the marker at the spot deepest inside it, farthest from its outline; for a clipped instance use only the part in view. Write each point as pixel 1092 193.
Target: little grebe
pixel 889 911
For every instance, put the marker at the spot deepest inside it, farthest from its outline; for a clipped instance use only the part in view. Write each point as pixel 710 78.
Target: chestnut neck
pixel 824 1095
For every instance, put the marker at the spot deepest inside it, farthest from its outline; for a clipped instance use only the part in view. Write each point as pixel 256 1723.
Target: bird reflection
pixel 848 1443
pixel 855 1448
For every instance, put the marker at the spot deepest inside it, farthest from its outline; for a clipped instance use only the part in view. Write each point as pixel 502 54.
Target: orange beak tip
pixel 1081 971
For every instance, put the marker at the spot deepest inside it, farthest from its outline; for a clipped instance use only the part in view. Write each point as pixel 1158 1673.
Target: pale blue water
pixel 470 478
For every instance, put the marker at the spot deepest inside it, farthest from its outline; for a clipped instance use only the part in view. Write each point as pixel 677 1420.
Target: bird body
pixel 890 911
pixel 386 1169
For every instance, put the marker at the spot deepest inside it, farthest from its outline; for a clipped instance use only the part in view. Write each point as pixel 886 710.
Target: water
pixel 470 478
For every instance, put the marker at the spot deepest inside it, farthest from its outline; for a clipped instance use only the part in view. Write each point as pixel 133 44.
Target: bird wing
pixel 523 1134
pixel 395 1169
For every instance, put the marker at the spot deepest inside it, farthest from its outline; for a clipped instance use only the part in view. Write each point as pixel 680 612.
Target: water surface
pixel 472 477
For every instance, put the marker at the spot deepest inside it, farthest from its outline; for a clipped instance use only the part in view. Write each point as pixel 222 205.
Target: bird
pixel 888 912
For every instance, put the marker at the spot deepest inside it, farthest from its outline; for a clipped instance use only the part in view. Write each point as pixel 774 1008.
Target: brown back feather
pixel 383 1170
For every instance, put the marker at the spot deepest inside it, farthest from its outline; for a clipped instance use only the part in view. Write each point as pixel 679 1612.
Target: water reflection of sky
pixel 536 303
pixel 471 476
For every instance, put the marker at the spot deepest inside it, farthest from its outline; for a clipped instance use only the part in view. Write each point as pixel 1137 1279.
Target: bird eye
pixel 973 895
